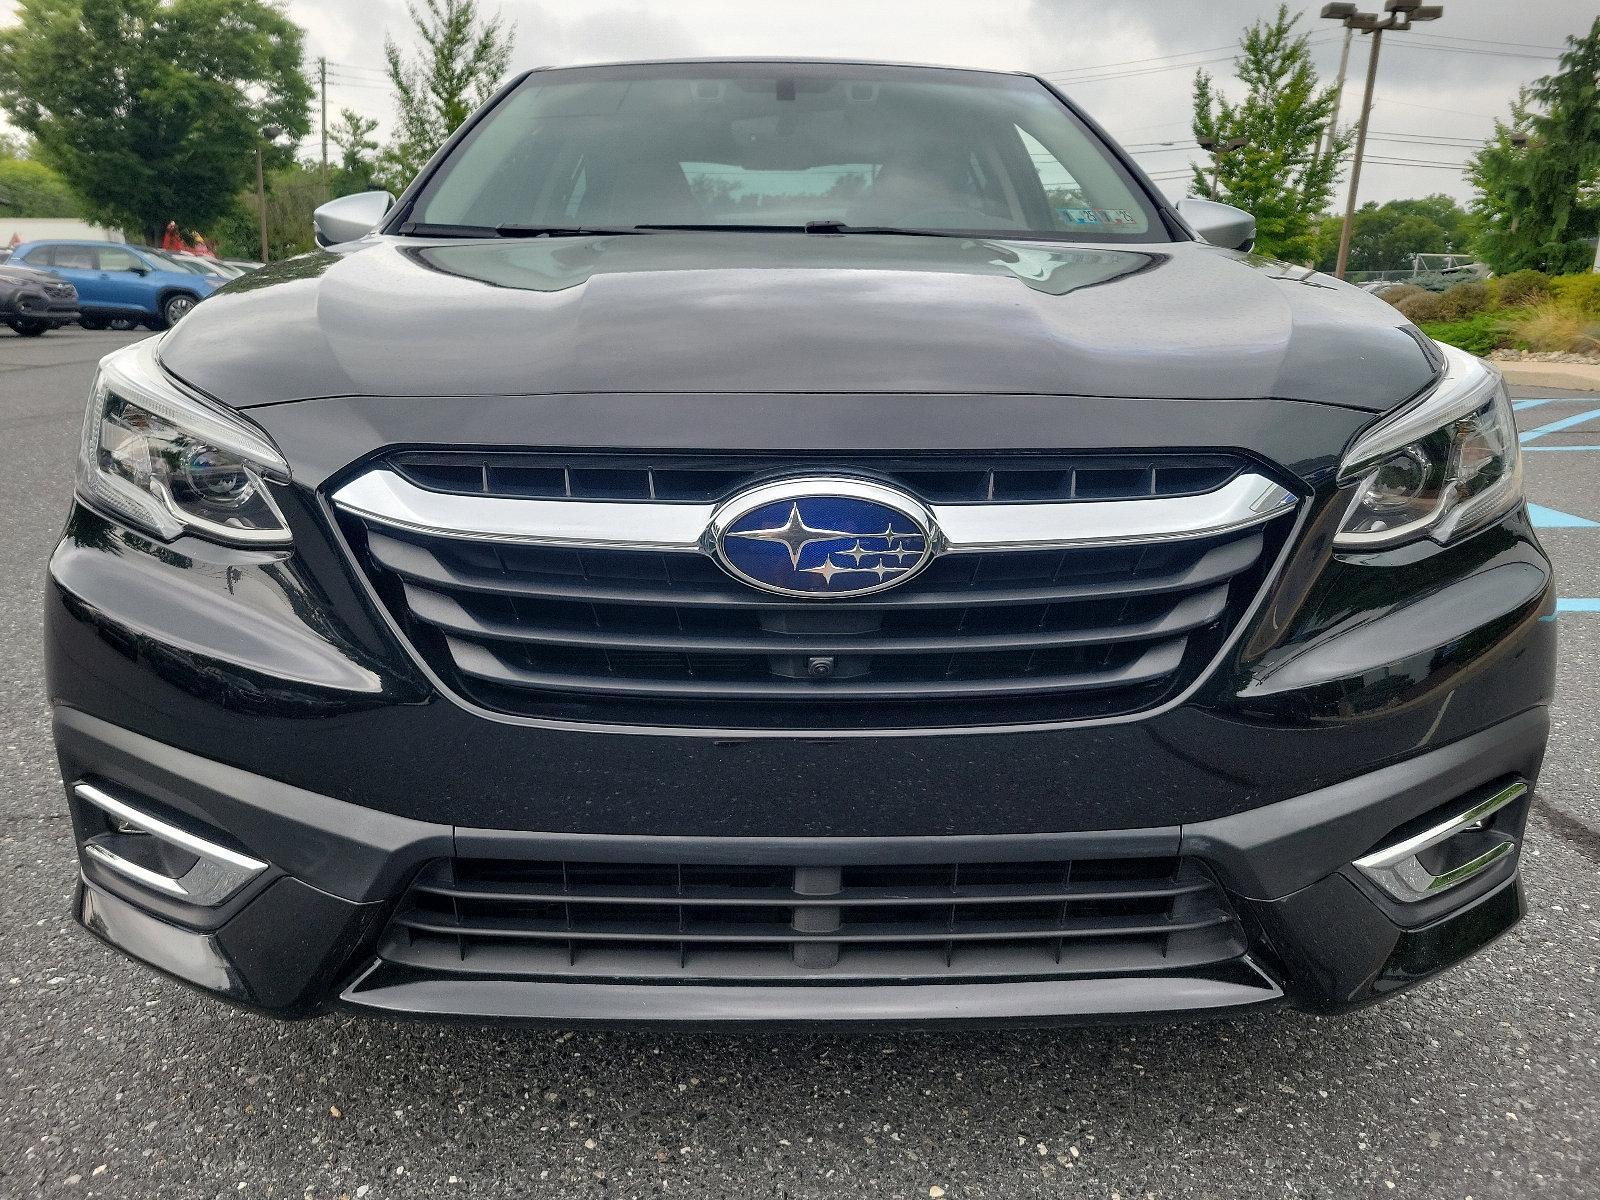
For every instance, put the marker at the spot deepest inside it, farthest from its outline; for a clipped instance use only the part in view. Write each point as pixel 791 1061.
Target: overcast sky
pixel 1131 63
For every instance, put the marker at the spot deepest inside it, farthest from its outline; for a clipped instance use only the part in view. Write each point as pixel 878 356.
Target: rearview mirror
pixel 1219 224
pixel 350 217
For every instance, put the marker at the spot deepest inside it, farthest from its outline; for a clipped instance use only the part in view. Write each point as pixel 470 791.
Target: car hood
pixel 27 275
pixel 779 312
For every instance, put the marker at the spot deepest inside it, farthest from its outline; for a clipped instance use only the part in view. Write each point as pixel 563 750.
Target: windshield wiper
pixel 534 231
pixel 730 228
pixel 423 229
pixel 817 227
pixel 836 227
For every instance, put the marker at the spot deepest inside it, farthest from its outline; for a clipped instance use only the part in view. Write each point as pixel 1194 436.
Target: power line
pixel 1071 80
pixel 333 62
pixel 1078 81
pixel 1411 162
pixel 1132 62
pixel 1434 108
pixel 1406 133
pixel 1488 53
pixel 1426 142
pixel 1153 125
pixel 1450 37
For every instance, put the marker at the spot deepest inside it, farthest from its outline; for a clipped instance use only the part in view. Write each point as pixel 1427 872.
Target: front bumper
pixel 307 936
pixel 40 308
pixel 265 696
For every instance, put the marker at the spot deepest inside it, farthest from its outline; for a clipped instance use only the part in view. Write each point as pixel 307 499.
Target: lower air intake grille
pixel 697 923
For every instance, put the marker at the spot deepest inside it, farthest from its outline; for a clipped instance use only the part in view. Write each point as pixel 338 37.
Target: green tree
pixel 1276 174
pixel 1445 212
pixel 461 61
pixel 1385 236
pixel 150 109
pixel 293 194
pixel 32 189
pixel 1531 198
pixel 357 152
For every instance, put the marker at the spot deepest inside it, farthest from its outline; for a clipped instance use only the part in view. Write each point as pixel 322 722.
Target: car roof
pixel 83 242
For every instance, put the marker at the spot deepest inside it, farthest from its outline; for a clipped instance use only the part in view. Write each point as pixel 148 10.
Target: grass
pixel 1476 335
pixel 1554 327
pixel 1524 311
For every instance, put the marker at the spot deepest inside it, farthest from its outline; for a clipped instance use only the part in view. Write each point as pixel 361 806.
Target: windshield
pixel 783 145
pixel 173 263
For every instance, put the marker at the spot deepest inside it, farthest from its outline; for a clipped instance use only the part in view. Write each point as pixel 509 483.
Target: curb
pixel 1569 376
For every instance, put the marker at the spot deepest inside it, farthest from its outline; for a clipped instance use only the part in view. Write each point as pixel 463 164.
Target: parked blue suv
pixel 120 282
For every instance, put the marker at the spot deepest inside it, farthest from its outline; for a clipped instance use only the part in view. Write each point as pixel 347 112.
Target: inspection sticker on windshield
pixel 1098 216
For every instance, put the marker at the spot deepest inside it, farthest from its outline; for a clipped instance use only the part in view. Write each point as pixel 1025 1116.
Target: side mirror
pixel 1219 224
pixel 140 271
pixel 350 217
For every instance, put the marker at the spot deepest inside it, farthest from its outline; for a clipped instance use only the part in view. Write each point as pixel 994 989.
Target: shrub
pixel 1580 293
pixel 1402 292
pixel 1522 288
pixel 1476 335
pixel 1555 327
pixel 1424 306
pixel 1464 300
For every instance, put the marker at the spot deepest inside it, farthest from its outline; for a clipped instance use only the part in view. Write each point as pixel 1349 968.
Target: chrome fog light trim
pixel 1399 870
pixel 216 873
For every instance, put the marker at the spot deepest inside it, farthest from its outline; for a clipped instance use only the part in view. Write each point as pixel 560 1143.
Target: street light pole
pixel 1402 14
pixel 1355 166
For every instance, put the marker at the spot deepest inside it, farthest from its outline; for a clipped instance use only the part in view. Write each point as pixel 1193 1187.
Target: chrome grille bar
pixel 384 497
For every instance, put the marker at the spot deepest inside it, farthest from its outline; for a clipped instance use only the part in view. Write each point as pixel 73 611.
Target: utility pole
pixel 1331 130
pixel 1355 165
pixel 266 134
pixel 322 83
pixel 1402 14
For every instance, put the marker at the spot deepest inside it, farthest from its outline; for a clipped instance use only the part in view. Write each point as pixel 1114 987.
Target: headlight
pixel 170 462
pixel 1443 467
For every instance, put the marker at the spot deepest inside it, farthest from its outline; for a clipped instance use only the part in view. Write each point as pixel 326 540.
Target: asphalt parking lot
pixel 118 1083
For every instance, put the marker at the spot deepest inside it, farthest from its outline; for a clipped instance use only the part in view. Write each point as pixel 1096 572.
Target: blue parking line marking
pixel 1563 423
pixel 1534 402
pixel 1554 448
pixel 1553 518
pixel 1575 604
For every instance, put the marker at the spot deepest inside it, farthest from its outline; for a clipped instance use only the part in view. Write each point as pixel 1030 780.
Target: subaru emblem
pixel 823 537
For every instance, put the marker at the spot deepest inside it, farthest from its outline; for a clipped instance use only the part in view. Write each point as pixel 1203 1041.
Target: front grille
pixel 704 478
pixel 673 922
pixel 61 291
pixel 671 638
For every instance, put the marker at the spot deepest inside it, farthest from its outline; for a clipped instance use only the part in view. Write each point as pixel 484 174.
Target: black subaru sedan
pixel 796 542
